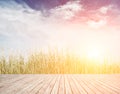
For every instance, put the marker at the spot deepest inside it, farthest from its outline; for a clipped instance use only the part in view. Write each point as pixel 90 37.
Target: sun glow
pixel 95 54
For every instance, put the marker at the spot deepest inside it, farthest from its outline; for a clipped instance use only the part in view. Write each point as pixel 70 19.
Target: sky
pixel 78 25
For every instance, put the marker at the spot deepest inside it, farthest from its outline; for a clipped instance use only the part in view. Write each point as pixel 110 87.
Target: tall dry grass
pixel 54 63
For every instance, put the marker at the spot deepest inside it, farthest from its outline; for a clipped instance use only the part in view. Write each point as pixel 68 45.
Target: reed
pixel 54 63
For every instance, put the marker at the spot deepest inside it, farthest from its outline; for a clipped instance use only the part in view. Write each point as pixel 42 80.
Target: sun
pixel 95 53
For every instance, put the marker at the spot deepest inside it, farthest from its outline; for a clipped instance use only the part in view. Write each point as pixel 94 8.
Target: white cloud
pixel 97 24
pixel 68 10
pixel 26 27
pixel 105 9
pixel 29 28
pixel 22 26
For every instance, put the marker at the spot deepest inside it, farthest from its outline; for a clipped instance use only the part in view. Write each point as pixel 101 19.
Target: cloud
pixel 97 24
pixel 67 11
pixel 23 27
pixel 105 9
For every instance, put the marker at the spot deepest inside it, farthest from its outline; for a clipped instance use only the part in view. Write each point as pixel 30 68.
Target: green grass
pixel 54 63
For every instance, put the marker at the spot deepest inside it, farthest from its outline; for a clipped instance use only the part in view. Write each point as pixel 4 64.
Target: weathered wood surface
pixel 60 84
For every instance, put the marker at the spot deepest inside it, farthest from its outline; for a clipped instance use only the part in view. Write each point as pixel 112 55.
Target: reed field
pixel 55 63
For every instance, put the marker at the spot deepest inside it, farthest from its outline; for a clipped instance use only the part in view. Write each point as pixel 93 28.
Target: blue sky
pixel 75 24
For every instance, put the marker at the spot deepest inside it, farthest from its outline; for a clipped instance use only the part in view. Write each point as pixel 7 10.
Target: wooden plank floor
pixel 60 84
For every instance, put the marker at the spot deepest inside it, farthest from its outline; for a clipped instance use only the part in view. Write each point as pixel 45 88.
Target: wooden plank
pixel 114 83
pixel 72 85
pixel 36 89
pixel 79 86
pixel 60 84
pixel 100 87
pixel 56 86
pixel 83 84
pixel 107 88
pixel 26 89
pixel 111 85
pixel 9 79
pixel 90 85
pixel 96 87
pixel 51 85
pixel 44 87
pixel 15 86
pixel 67 86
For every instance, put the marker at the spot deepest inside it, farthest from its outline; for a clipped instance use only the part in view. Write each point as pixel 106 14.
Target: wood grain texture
pixel 60 84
